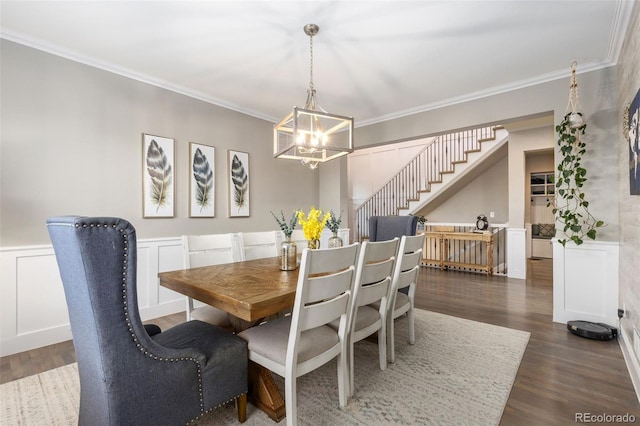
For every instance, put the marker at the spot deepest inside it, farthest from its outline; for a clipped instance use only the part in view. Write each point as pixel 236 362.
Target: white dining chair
pixel 205 250
pixel 374 273
pixel 258 245
pixel 405 276
pixel 298 344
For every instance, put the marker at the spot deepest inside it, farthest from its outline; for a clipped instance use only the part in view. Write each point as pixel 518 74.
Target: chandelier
pixel 311 134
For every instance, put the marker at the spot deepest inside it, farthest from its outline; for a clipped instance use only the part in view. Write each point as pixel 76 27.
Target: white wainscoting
pixel 517 253
pixel 33 309
pixel 585 282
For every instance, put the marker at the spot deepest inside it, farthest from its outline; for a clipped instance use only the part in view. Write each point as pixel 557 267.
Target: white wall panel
pixel 585 282
pixel 169 259
pixel 371 168
pixel 516 253
pixel 586 278
pixel 144 270
pixel 40 301
pixel 34 310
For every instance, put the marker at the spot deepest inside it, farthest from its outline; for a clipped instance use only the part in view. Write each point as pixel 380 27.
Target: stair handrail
pixel 417 155
pixel 417 175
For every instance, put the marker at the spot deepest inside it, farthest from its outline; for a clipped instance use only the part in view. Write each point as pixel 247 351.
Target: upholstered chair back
pixel 383 228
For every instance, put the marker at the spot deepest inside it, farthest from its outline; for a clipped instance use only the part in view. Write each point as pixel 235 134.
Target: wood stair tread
pixel 415 178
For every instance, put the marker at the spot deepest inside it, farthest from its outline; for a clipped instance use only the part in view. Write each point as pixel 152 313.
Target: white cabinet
pixel 542 184
pixel 585 282
pixel 541 247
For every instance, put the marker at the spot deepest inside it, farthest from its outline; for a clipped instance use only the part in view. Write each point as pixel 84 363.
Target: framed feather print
pixel 201 180
pixel 158 173
pixel 238 166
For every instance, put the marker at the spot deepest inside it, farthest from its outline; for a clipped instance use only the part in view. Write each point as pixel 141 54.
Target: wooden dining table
pixel 250 291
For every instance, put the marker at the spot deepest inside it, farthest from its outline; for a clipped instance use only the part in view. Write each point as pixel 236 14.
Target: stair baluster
pixel 426 167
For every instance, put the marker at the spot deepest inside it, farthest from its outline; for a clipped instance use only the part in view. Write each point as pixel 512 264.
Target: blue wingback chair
pixel 126 376
pixel 383 228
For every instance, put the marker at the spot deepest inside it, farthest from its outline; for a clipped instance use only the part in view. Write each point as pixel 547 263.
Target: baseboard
pixel 36 339
pixel 626 345
pixel 162 310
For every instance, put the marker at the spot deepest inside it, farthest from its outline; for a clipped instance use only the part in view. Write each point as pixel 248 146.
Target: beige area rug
pixel 459 372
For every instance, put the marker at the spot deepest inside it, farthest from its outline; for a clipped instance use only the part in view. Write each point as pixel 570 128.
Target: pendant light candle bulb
pixel 318 138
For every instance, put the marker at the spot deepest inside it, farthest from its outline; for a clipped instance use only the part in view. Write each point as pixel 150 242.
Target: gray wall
pixel 598 99
pixel 486 193
pixel 603 96
pixel 72 144
pixel 629 78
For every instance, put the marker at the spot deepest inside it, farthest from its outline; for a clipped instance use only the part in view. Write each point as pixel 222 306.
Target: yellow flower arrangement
pixel 313 223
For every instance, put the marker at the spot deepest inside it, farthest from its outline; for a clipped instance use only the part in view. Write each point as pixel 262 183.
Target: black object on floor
pixel 592 330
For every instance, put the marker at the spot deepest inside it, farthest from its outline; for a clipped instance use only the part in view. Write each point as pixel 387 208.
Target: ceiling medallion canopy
pixel 311 134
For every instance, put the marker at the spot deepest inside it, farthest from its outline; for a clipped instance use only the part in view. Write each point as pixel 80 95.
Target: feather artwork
pixel 159 171
pixel 239 178
pixel 203 175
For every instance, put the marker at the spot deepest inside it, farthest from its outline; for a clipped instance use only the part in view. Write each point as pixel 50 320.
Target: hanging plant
pixel 571 207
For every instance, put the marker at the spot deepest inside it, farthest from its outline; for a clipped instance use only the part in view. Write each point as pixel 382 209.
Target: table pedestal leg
pixel 264 393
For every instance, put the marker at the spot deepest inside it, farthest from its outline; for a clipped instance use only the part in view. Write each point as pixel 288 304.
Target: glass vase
pixel 335 241
pixel 313 244
pixel 288 255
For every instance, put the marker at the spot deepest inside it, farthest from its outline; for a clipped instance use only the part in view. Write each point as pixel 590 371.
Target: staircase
pixel 441 163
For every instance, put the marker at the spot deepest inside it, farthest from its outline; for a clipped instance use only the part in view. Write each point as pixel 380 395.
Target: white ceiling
pixel 373 60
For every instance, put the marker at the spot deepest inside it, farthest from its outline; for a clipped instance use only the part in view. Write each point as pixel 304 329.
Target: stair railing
pixel 437 158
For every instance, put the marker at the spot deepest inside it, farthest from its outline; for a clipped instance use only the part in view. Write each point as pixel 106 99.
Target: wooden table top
pixel 248 290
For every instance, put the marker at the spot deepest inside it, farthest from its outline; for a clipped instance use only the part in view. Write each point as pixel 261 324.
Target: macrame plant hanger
pixel 576 118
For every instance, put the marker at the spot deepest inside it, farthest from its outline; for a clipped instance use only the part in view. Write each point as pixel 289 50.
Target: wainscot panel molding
pixel 585 282
pixel 33 309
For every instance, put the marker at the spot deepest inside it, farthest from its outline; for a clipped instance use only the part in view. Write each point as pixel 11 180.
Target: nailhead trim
pixel 130 327
pixel 214 408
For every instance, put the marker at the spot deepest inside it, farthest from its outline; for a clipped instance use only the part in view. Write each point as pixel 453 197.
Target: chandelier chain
pixel 311 62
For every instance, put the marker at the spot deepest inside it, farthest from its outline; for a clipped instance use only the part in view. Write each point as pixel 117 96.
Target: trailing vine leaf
pixel 239 178
pixel 160 173
pixel 570 206
pixel 203 175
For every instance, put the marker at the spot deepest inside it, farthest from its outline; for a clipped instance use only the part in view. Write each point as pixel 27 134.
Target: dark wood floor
pixel 560 375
